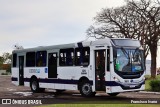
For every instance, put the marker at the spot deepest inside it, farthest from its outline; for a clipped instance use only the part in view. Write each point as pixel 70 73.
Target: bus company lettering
pixel 84 71
pixel 19 101
pixel 34 70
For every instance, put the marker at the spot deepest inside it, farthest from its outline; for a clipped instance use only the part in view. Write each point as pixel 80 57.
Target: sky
pixel 32 23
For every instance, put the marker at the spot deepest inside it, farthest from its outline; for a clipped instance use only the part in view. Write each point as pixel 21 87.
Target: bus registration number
pixel 132 86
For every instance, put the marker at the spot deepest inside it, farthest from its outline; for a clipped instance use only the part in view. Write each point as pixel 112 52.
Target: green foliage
pixel 1 62
pixel 147 77
pixel 148 80
pixel 4 73
pixel 147 85
pixel 155 85
pixel 5 58
pixel 8 70
pixel 101 105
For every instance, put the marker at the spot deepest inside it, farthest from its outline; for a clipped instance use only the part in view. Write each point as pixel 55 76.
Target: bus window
pixel 30 59
pixel 86 56
pixel 108 59
pixel 82 56
pixel 66 57
pixel 14 60
pixel 41 57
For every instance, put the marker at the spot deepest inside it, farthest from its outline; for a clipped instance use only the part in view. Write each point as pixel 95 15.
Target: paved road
pixel 8 90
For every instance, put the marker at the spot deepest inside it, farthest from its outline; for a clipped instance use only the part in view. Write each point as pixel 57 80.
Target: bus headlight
pixel 116 79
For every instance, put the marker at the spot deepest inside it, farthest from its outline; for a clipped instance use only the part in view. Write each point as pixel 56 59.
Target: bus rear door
pixel 21 70
pixel 52 65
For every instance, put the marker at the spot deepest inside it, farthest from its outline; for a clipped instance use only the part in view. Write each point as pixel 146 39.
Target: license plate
pixel 132 86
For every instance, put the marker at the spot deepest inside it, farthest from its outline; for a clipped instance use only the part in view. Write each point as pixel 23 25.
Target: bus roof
pixel 71 45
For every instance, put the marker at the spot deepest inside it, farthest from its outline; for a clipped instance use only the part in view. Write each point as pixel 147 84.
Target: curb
pixel 5 75
pixel 149 92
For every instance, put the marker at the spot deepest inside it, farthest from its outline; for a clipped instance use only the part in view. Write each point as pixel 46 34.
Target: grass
pixel 147 86
pixel 102 105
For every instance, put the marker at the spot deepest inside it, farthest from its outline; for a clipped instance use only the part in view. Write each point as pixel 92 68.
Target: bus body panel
pixel 73 73
pixel 39 72
pixel 15 75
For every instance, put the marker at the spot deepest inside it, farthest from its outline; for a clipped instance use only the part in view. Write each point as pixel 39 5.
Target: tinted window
pixel 66 57
pixel 126 42
pixel 41 57
pixel 108 59
pixel 30 59
pixel 82 56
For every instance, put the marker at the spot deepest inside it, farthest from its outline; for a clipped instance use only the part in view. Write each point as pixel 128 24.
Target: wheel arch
pixel 33 77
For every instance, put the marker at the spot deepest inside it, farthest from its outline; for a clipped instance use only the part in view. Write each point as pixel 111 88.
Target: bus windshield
pixel 128 60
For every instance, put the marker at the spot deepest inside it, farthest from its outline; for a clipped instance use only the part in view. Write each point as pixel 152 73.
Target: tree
pixel 1 62
pixel 137 19
pixel 5 61
pixel 7 58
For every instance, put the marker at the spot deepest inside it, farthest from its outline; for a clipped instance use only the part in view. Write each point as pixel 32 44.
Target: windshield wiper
pixel 125 53
pixel 135 51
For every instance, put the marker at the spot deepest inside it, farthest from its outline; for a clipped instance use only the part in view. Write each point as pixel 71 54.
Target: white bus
pixel 111 65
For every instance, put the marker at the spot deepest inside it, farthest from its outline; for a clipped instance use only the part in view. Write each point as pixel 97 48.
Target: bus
pixel 110 65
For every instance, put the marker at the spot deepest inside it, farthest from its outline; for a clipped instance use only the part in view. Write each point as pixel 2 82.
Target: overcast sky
pixel 33 23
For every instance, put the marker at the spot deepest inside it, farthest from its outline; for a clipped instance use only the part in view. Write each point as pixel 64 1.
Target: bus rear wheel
pixel 34 85
pixel 86 89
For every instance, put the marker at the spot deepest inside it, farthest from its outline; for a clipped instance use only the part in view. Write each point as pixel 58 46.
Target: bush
pixel 155 85
pixel 4 73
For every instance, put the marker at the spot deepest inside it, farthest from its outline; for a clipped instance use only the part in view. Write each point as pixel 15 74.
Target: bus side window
pixel 82 56
pixel 108 59
pixel 41 57
pixel 77 57
pixel 86 55
pixel 30 59
pixel 66 57
pixel 62 58
pixel 14 60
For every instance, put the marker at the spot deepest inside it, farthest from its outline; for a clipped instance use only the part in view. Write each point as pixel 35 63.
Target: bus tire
pixel 86 89
pixel 113 94
pixel 34 84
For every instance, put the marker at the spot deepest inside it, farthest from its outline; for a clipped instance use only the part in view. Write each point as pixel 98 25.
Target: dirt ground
pixel 8 90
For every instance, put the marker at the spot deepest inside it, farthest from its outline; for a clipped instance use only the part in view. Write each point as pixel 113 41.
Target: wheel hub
pixel 86 89
pixel 34 85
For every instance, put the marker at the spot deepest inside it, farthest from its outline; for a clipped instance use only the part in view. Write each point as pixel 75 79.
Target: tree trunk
pixel 153 50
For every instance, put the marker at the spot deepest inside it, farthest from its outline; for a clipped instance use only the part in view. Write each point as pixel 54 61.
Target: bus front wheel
pixel 86 89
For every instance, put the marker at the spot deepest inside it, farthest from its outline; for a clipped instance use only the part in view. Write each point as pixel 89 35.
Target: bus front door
pixel 21 70
pixel 52 65
pixel 100 69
